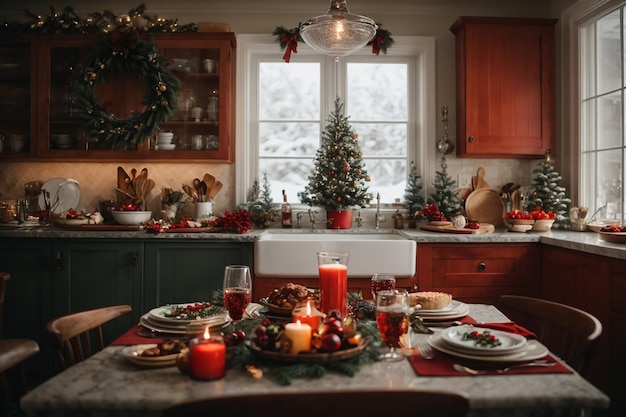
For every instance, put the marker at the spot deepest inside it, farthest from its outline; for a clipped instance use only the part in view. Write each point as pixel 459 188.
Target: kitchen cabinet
pixel 479 273
pixel 596 284
pixel 202 62
pixel 16 101
pixel 505 82
pixel 187 271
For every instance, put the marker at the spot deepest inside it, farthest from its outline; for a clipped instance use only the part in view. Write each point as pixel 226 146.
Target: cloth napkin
pixel 441 365
pixel 509 326
pixel 134 337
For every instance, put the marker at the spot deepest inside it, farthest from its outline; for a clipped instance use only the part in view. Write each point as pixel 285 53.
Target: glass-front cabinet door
pixel 16 104
pixel 199 129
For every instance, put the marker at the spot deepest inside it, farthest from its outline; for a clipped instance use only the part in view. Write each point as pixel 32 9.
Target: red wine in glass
pixel 236 300
pixel 392 321
pixel 381 282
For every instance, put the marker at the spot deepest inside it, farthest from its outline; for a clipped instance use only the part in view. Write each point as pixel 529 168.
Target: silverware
pixel 461 368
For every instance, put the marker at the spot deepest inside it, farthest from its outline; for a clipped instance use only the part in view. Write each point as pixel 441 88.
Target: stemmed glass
pixel 237 290
pixel 392 310
pixel 380 282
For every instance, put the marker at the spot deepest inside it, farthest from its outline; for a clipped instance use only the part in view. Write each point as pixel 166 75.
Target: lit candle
pixel 308 315
pixel 300 336
pixel 207 357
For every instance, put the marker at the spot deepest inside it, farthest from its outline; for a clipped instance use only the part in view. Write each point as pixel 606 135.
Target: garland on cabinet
pixel 288 40
pixel 67 21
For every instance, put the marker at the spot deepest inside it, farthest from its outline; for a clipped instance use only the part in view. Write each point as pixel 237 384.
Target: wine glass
pixel 380 282
pixel 392 309
pixel 237 290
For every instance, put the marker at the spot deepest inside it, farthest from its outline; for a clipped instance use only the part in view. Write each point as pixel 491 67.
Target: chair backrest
pixel 328 404
pixel 4 277
pixel 567 331
pixel 78 336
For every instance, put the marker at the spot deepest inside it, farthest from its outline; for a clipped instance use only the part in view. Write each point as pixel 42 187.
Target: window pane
pixel 289 92
pixel 291 175
pixel 587 73
pixel 609 49
pixel 288 139
pixel 588 125
pixel 377 92
pixel 388 177
pixel 610 120
pixel 610 182
pixel 382 139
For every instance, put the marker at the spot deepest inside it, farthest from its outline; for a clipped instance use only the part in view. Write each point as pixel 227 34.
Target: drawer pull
pixel 482 267
pixel 470 139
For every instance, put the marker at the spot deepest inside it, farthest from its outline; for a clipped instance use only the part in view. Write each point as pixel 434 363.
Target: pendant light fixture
pixel 338 32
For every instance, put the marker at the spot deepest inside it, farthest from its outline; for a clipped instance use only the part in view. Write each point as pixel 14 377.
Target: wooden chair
pixel 327 404
pixel 13 352
pixel 78 336
pixel 568 332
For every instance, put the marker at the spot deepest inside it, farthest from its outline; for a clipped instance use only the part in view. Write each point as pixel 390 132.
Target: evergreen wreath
pixel 288 40
pixel 123 52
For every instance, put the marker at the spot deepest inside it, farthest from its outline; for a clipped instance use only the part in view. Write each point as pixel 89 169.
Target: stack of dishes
pixel 513 347
pixel 134 354
pixel 455 310
pixel 165 141
pixel 157 321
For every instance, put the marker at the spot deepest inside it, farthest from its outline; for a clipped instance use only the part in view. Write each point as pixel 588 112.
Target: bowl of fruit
pixel 130 214
pixel 543 220
pixel 518 221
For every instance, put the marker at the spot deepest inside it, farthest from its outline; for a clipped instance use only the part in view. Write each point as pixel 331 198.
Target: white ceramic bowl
pixel 167 146
pixel 131 217
pixel 543 225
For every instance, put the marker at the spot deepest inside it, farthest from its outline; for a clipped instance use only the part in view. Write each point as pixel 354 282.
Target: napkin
pixel 133 337
pixel 441 365
pixel 508 326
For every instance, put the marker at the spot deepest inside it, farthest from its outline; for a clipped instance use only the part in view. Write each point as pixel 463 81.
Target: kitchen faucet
pixel 379 218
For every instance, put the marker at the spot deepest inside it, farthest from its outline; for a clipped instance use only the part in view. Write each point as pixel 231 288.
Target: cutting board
pixel 485 206
pixel 484 228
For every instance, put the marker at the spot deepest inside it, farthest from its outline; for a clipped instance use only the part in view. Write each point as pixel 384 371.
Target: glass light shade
pixel 338 32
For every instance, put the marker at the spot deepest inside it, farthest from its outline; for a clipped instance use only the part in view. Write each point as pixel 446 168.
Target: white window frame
pixel 252 47
pixel 578 15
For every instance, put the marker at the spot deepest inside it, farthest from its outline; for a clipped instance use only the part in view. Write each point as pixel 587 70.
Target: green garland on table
pixel 124 53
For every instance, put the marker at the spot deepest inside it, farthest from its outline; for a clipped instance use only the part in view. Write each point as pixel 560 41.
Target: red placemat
pixel 441 365
pixel 132 338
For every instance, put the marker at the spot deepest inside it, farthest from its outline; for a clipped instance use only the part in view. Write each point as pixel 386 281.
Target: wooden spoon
pixel 213 191
pixel 190 191
pixel 148 186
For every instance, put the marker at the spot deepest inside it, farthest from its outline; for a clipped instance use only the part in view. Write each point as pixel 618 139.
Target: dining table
pixel 107 384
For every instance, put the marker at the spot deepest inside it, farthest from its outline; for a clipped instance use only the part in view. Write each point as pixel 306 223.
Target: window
pixel 601 89
pixel 283 108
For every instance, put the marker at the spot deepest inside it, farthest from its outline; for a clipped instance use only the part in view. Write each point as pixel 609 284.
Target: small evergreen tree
pixel 414 191
pixel 339 175
pixel 445 195
pixel 546 194
pixel 260 203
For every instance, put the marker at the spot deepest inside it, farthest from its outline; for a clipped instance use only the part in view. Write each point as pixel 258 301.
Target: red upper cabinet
pixel 505 81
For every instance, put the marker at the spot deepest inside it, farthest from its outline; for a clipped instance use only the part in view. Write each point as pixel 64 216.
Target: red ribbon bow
pixel 292 45
pixel 376 42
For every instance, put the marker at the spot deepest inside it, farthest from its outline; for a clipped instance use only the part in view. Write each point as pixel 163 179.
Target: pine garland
pixel 124 53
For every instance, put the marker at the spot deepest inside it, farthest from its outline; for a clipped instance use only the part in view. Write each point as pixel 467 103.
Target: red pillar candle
pixel 207 357
pixel 308 314
pixel 334 288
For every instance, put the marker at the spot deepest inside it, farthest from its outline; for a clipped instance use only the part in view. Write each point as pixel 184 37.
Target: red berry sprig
pixel 238 221
pixel 432 213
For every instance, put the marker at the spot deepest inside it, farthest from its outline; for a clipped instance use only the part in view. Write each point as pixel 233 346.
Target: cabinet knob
pixel 470 139
pixel 482 266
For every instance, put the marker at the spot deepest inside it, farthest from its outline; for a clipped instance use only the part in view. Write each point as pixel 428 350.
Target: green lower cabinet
pixel 181 272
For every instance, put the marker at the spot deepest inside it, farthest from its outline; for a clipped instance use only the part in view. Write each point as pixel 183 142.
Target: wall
pixel 400 17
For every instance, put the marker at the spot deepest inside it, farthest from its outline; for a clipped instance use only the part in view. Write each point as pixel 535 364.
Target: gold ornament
pixel 123 22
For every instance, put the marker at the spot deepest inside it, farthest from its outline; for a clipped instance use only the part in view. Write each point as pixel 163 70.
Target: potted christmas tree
pixel 547 196
pixel 445 196
pixel 413 195
pixel 337 182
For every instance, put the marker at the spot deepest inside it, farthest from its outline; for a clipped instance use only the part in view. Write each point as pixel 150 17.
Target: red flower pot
pixel 339 219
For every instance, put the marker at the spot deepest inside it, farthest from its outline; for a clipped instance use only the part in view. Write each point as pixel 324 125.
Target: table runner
pixel 134 336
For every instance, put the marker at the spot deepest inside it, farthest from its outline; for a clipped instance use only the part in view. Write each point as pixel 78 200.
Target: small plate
pixel 511 342
pixel 456 307
pixel 64 195
pixel 159 315
pixel 133 354
pixel 613 237
pixel 531 351
pixel 436 223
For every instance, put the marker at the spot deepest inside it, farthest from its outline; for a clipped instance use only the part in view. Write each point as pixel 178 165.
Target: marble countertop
pixel 86 389
pixel 588 242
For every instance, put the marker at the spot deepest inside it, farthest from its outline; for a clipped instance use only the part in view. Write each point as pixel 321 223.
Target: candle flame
pixel 298 322
pixel 308 308
pixel 207 335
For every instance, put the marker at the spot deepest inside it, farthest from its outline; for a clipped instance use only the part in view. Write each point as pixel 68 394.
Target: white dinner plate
pixel 457 311
pixel 133 354
pixel 511 342
pixel 532 350
pixel 64 195
pixel 159 315
pixel 182 328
